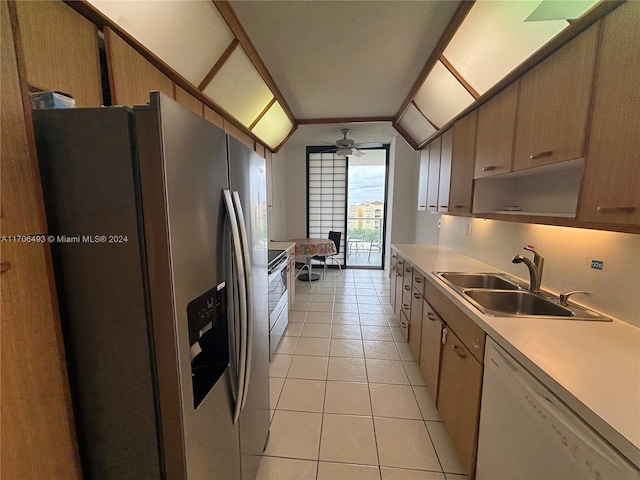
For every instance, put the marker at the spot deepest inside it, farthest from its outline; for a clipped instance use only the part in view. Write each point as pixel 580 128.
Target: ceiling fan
pixel 345 146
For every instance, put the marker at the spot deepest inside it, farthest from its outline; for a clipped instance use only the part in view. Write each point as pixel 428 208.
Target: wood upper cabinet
pixel 553 105
pixel 423 178
pixel 187 100
pixel 445 170
pixel 494 138
pixel 459 393
pixel 610 192
pixel 21 208
pixel 433 179
pixel 132 76
pixel 60 51
pixel 462 160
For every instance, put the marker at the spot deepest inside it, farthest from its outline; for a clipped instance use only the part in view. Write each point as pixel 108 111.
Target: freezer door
pixel 247 177
pixel 185 233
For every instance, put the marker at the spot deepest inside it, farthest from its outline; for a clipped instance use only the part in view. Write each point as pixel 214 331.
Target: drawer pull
pixel 535 156
pixel 417 295
pixel 407 269
pixel 399 274
pixel 5 267
pixel 616 209
pixel 419 279
pixel 457 206
pixel 433 206
pixel 444 206
pixel 405 306
pixel 459 351
pixel 407 287
pixel 489 168
pixel 421 206
pixel 431 317
pixel 393 267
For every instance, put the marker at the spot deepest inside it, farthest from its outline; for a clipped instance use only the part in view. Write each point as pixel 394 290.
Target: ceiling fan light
pixel 341 152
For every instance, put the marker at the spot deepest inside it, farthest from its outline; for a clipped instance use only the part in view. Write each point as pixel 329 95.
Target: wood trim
pixel 564 37
pixel 277 149
pixel 226 10
pixel 218 65
pixel 445 38
pixel 422 113
pixel 319 121
pixel 459 77
pixel 91 13
pixel 262 113
pixel 408 138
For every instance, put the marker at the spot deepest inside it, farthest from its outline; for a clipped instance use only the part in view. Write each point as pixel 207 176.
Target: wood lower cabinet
pixel 398 290
pixel 393 280
pixel 610 192
pixel 415 314
pixel 430 346
pixel 459 392
pixel 554 103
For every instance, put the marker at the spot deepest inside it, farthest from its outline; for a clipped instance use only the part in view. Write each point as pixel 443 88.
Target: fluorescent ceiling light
pixel 560 10
pixel 274 126
pixel 414 123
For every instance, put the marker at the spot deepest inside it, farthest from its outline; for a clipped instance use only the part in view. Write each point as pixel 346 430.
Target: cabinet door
pixel 553 105
pixel 430 348
pixel 38 437
pixel 494 139
pixel 423 178
pixel 21 207
pixel 132 76
pixel 459 392
pixel 610 192
pixel 445 170
pixel 462 159
pixel 434 175
pixel 415 323
pixel 404 322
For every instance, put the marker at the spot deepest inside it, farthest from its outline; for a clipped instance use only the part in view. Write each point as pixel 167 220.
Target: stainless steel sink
pixel 501 295
pixel 493 281
pixel 515 303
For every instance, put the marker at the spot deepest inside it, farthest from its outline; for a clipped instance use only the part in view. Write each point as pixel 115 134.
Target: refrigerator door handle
pixel 249 292
pixel 239 263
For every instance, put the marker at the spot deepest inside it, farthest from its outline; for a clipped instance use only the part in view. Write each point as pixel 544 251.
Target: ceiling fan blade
pixel 356 152
pixel 326 143
pixel 368 145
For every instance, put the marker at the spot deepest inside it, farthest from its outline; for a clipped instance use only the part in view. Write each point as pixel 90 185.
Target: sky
pixel 366 183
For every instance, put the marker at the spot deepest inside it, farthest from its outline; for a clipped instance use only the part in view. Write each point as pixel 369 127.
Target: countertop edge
pixel 614 437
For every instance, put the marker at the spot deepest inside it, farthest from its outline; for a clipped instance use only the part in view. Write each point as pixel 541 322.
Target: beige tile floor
pixel 348 399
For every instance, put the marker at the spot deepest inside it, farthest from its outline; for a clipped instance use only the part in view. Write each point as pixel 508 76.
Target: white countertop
pixel 594 367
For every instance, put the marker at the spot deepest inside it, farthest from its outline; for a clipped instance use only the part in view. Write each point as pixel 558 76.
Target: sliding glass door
pixel 348 194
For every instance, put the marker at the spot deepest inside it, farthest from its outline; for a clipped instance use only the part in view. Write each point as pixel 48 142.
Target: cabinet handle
pixel 431 317
pixel 407 287
pixel 459 351
pixel 457 206
pixel 5 267
pixel 616 209
pixel 421 206
pixel 393 267
pixel 419 279
pixel 433 206
pixel 444 336
pixel 417 295
pixel 444 206
pixel 476 344
pixel 535 156
pixel 399 274
pixel 405 306
pixel 489 168
pixel 407 269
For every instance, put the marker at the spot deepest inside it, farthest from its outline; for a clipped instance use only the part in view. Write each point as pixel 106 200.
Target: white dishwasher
pixel 527 433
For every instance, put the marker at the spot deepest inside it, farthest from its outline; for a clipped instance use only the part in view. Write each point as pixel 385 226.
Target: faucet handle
pixel 564 297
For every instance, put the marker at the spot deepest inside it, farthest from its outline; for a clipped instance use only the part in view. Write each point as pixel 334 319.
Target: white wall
pixel 568 252
pixel 403 188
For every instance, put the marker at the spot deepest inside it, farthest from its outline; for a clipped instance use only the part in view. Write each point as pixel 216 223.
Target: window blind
pixel 327 197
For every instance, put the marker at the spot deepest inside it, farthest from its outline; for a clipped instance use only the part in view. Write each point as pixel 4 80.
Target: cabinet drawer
pixel 407 275
pixel 418 282
pixel 469 333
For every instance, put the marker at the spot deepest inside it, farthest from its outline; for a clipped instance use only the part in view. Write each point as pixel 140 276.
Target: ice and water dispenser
pixel 208 339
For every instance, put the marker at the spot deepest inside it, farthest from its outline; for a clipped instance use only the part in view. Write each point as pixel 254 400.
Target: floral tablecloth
pixel 314 246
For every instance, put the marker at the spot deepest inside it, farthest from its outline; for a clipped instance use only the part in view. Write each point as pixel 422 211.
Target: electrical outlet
pixel 439 222
pixel 597 264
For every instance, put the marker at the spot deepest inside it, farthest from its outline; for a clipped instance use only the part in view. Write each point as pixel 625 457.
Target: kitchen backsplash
pixel 568 253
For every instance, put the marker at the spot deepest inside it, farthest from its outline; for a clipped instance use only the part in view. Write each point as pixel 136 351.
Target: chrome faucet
pixel 535 268
pixel 563 298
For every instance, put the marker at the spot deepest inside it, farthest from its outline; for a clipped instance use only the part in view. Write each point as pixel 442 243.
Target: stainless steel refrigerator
pixel 157 223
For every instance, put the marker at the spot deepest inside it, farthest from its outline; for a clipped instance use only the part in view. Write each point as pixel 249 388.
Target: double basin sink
pixel 500 295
